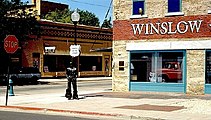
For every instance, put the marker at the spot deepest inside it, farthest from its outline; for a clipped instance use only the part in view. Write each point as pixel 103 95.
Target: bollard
pixel 11 93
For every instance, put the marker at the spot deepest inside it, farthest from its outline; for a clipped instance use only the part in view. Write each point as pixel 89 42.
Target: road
pixel 9 115
pixel 50 87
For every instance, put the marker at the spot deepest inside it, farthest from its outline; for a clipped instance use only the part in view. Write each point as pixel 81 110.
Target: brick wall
pixel 158 8
pixel 123 29
pixel 195 71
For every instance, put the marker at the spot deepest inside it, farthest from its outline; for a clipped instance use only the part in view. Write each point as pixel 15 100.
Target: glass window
pixel 174 5
pixel 208 67
pixel 138 7
pixel 56 63
pixel 158 67
pixel 90 63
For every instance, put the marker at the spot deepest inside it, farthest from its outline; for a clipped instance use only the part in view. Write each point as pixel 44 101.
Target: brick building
pixel 162 45
pixel 50 50
pixel 43 7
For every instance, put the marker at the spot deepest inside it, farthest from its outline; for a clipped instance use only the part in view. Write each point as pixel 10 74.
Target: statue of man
pixel 71 73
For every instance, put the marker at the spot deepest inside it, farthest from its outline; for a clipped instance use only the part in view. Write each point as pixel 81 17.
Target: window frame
pixel 143 6
pixel 176 13
pixel 157 52
pixel 180 6
pixel 133 16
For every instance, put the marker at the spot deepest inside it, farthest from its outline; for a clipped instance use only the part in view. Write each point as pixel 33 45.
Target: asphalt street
pixel 9 115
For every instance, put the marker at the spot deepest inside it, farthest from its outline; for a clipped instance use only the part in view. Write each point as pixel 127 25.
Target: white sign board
pixel 75 50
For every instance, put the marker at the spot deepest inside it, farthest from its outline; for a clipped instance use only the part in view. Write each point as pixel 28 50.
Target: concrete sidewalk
pixel 170 106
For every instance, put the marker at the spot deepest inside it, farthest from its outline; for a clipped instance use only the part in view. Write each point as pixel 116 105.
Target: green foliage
pixel 64 16
pixel 15 20
pixel 59 16
pixel 107 23
pixel 88 18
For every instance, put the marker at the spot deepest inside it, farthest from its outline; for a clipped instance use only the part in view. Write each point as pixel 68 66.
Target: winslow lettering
pixel 167 27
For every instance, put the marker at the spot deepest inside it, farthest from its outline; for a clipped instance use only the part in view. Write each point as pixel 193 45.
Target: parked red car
pixel 171 72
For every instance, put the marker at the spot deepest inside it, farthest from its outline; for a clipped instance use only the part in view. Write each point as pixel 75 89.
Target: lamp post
pixel 75 17
pixel 73 69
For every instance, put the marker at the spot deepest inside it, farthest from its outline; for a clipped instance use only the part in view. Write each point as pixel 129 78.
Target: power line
pixel 109 8
pixel 88 3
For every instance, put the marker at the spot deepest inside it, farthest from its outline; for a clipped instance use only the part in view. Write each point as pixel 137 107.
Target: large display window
pixel 56 63
pixel 208 72
pixel 157 67
pixel 90 63
pixel 208 67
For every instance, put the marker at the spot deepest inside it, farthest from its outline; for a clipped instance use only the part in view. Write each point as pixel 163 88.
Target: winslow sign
pixel 163 28
pixel 167 27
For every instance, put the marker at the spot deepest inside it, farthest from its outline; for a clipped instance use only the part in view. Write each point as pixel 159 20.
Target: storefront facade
pixel 165 49
pixel 50 51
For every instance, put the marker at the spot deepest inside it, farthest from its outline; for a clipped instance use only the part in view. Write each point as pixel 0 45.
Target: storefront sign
pixel 167 27
pixel 50 49
pixel 75 50
pixel 161 28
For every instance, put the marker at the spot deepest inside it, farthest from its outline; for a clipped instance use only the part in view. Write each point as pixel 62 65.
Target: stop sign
pixel 10 44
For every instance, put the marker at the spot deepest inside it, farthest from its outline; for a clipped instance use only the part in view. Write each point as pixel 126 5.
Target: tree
pixel 107 23
pixel 64 16
pixel 88 18
pixel 15 19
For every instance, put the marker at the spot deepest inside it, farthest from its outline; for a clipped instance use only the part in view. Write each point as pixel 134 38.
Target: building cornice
pixel 49 28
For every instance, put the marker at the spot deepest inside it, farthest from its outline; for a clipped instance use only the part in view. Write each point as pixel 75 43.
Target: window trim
pixel 174 14
pixel 184 68
pixel 179 13
pixel 138 16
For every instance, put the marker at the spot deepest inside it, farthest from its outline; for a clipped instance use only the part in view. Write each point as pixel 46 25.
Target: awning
pixel 108 49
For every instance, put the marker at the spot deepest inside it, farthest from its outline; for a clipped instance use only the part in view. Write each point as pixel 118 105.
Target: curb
pixel 62 111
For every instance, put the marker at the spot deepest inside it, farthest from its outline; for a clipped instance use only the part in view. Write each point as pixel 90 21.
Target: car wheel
pixel 34 80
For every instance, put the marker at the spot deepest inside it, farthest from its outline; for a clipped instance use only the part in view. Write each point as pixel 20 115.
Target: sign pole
pixel 10 46
pixel 8 75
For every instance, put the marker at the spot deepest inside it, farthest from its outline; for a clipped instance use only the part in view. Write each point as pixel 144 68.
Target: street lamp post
pixel 72 71
pixel 75 18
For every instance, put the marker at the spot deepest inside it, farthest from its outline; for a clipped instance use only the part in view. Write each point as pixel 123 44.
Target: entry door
pixel 140 67
pixel 107 65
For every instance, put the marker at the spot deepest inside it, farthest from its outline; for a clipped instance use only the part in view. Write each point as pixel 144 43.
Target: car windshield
pixel 25 70
pixel 30 70
pixel 169 65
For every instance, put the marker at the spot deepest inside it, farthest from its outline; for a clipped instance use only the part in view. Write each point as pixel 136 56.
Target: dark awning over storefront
pixel 108 49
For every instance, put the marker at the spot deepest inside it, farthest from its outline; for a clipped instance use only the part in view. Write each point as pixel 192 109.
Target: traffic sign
pixel 75 50
pixel 11 44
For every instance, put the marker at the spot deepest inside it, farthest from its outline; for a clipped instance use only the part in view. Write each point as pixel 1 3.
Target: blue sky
pixel 98 7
